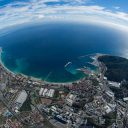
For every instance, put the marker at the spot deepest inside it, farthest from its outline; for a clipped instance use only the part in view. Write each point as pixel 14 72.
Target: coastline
pixel 94 58
pixel 1 63
pixel 34 78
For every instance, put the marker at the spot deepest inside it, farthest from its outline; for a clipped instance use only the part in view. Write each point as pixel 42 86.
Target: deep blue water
pixel 43 50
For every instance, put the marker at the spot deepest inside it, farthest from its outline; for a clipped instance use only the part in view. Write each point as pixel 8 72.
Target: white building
pixel 41 91
pixel 46 92
pixel 71 99
pixel 125 98
pixel 114 84
pixel 107 109
pixel 110 94
pixel 20 100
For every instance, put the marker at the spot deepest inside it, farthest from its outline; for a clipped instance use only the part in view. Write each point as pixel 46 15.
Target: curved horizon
pixel 58 43
pixel 28 13
pixel 16 13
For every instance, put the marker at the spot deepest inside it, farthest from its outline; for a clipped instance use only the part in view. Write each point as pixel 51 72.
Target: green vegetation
pixel 35 99
pixel 117 67
pixel 110 119
pixel 2 119
pixel 26 105
pixel 95 82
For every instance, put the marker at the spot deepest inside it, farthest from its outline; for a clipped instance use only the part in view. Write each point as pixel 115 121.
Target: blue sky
pixel 122 4
pixel 5 2
pixel 114 12
pixel 110 4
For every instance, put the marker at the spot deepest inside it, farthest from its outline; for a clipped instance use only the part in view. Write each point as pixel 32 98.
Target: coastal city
pixel 27 102
pixel 63 63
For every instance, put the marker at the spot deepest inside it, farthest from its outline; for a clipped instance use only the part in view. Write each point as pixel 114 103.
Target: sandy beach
pixel 44 81
pixel 3 64
pixel 33 78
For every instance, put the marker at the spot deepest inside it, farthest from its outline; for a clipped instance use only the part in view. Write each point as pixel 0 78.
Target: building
pixel 45 92
pixel 125 99
pixel 114 84
pixel 20 100
pixel 109 96
pixel 2 86
pixel 71 98
pixel 107 109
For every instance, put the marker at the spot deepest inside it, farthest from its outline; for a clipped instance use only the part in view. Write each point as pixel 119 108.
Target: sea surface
pixel 54 51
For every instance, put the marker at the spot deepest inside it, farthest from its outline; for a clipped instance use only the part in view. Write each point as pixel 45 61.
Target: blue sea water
pixel 43 50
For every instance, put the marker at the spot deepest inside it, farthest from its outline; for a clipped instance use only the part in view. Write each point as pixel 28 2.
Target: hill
pixel 117 67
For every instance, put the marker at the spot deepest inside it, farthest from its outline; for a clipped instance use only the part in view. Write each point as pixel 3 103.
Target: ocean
pixel 52 51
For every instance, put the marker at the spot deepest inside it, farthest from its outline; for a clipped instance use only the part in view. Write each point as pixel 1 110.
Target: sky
pixel 107 12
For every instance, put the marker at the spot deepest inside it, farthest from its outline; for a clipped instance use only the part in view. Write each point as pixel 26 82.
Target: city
pixel 90 102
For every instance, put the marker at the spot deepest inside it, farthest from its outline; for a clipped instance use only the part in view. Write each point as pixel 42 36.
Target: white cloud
pixel 38 10
pixel 116 7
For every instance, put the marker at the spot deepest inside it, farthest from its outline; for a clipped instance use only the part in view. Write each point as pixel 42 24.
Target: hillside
pixel 117 67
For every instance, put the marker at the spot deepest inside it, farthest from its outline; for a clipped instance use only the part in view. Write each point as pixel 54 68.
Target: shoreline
pixel 34 78
pixel 2 64
pixel 94 58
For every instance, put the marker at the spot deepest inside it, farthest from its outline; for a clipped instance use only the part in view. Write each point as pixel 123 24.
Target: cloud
pixel 116 7
pixel 24 12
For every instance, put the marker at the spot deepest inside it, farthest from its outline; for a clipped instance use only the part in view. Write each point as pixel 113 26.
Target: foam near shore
pixel 95 58
pixel 33 78
pixel 9 71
